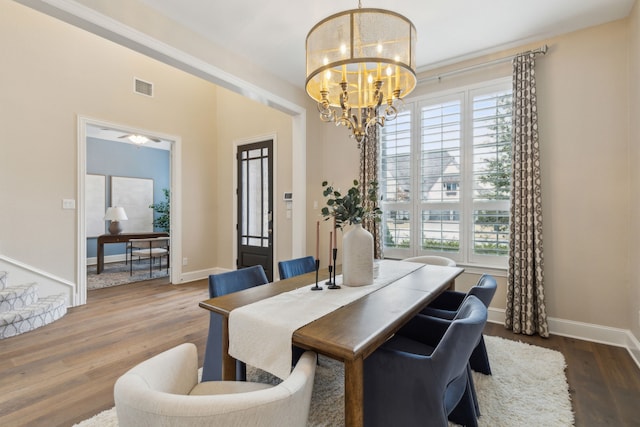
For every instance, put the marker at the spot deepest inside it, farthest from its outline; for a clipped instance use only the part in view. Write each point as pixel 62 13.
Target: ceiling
pixel 272 33
pixel 116 135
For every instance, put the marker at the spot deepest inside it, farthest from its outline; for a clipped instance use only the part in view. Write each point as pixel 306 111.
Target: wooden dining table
pixel 352 332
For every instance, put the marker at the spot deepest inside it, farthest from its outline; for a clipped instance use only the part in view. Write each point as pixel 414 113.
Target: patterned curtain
pixel 368 173
pixel 526 311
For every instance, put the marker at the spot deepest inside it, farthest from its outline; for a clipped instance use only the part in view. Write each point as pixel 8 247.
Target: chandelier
pixel 360 63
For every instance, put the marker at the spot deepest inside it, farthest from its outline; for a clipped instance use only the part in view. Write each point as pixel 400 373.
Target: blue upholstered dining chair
pixel 446 306
pixel 420 376
pixel 223 284
pixel 296 267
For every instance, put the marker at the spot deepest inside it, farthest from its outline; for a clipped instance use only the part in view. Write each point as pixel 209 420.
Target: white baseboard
pixel 584 331
pixel 192 276
pixel 107 259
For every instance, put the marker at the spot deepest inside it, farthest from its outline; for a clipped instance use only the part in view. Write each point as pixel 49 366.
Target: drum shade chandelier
pixel 360 64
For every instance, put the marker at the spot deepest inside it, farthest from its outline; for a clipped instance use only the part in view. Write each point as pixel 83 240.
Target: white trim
pixel 107 259
pixel 80 295
pixel 584 331
pixel 633 346
pixel 37 271
pixel 192 276
pixel 299 187
pixel 49 286
pixel 480 269
pixel 175 226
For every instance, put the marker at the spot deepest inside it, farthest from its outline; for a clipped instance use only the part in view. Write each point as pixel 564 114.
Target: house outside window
pixel 446 174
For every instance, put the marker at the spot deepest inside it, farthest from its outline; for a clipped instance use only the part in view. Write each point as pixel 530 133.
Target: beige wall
pixel 53 72
pixel 634 161
pixel 339 162
pixel 584 147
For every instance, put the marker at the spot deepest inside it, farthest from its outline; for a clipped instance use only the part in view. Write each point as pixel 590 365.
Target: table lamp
pixel 115 214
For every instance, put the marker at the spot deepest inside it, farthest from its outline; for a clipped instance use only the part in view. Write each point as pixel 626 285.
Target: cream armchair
pixel 164 391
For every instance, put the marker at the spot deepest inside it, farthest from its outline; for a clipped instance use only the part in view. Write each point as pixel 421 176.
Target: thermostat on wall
pixel 288 197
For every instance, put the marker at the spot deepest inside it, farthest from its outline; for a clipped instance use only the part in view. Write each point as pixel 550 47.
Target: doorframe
pixel 175 176
pixel 234 218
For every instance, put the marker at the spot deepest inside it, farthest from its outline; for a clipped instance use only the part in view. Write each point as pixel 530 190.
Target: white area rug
pixel 528 387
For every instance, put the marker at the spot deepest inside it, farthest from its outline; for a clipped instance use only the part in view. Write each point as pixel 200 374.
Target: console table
pixel 121 238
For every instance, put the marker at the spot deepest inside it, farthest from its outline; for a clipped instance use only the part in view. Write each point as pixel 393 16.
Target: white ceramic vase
pixel 357 257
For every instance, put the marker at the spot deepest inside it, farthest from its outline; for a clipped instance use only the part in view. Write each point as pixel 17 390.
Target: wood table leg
pixel 353 393
pixel 100 256
pixel 228 362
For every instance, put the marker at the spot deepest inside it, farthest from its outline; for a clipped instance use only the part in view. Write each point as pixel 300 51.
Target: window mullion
pixel 416 205
pixel 467 162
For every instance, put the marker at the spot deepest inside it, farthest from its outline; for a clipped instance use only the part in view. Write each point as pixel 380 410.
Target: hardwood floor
pixel 64 372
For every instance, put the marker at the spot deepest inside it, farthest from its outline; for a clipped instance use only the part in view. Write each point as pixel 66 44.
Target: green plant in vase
pixel 163 221
pixel 350 208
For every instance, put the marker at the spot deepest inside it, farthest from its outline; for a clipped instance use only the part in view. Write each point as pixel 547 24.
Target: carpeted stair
pixel 21 310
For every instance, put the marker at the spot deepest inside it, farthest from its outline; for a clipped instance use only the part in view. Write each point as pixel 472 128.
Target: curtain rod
pixel 541 50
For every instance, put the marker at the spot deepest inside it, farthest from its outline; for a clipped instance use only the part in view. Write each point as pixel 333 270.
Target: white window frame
pixel 465 256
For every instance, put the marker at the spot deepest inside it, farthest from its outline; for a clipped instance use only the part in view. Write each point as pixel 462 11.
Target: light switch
pixel 68 204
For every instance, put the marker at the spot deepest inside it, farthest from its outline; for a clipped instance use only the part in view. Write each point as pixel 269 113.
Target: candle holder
pixel 316 287
pixel 330 281
pixel 333 284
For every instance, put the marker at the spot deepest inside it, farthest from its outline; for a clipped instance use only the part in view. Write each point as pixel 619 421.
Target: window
pixel 445 176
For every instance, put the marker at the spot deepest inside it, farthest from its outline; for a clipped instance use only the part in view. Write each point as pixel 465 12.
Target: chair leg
pixel 241 371
pixel 473 390
pixel 465 412
pixel 479 359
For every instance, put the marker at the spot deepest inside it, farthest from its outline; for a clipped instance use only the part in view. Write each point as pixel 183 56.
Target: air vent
pixel 142 87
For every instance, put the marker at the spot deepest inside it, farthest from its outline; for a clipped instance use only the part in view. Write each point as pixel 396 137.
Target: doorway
pixel 90 222
pixel 254 223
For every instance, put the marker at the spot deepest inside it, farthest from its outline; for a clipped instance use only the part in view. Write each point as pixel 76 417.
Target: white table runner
pixel 260 333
